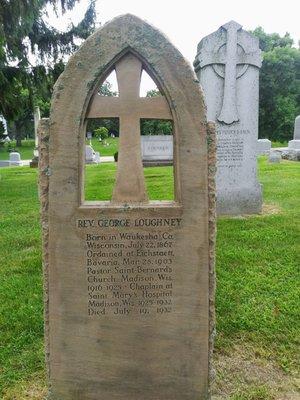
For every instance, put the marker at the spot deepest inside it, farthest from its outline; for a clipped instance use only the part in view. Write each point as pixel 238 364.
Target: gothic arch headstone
pixel 128 283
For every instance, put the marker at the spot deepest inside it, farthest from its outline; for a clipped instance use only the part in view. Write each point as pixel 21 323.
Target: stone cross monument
pixel 130 108
pixel 129 283
pixel 227 65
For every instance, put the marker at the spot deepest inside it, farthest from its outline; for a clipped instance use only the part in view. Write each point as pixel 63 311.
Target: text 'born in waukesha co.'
pixel 129 272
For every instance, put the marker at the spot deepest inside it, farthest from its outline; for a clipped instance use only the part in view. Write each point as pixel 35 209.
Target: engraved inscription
pixel 230 147
pixel 129 272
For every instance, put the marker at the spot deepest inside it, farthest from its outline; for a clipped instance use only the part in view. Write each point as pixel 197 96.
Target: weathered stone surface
pixel 263 146
pixel 295 143
pixel 129 284
pixel 157 149
pixel 227 64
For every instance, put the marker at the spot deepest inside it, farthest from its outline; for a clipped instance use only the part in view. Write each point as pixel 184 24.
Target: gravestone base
pixel 157 163
pixel 240 201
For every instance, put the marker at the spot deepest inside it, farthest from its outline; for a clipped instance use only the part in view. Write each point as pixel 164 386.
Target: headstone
pixel 91 156
pixel 263 146
pixel 275 156
pixel 129 284
pixel 15 159
pixel 157 150
pixel 35 160
pixel 227 65
pixel 295 143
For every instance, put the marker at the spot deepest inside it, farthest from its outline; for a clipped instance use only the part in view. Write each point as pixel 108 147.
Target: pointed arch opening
pixel 129 137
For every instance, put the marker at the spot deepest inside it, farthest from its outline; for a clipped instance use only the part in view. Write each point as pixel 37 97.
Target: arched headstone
pixel 128 283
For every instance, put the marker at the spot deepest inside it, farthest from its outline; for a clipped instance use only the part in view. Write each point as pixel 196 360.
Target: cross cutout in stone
pixel 129 108
pixel 231 60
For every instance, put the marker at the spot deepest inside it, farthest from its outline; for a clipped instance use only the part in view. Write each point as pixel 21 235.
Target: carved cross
pixel 231 60
pixel 129 108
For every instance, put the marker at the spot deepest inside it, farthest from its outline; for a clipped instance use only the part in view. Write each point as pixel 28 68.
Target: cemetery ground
pixel 257 345
pixel 108 148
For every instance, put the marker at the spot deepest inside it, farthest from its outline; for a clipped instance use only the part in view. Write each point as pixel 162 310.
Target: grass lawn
pixel 257 346
pixel 108 149
pixel 100 179
pixel 26 150
pixel 279 144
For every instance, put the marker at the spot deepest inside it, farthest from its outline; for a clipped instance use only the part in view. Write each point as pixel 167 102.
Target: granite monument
pixel 227 65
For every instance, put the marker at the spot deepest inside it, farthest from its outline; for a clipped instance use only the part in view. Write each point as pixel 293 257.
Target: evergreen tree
pixel 25 35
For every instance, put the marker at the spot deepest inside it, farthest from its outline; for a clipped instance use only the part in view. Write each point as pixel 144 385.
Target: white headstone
pixel 275 156
pixel 263 146
pixel 227 65
pixel 295 143
pixel 91 157
pixel 157 149
pixel 15 158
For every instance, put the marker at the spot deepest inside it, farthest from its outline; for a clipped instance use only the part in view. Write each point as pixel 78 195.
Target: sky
pixel 187 22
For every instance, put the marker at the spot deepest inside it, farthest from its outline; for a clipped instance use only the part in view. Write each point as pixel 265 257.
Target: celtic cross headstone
pixel 129 283
pixel 227 65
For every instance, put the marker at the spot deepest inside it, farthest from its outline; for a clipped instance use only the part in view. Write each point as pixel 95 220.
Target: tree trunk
pixel 18 133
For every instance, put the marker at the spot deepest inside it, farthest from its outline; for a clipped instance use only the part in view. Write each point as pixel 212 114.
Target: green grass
pixel 26 150
pixel 257 269
pixel 109 149
pixel 279 144
pixel 100 180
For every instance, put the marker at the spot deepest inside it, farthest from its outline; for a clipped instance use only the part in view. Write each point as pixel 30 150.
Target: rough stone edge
pixel 44 173
pixel 212 162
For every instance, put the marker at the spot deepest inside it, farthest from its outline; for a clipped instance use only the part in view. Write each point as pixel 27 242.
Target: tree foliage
pixel 26 36
pixel 155 126
pixel 101 133
pixel 279 100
